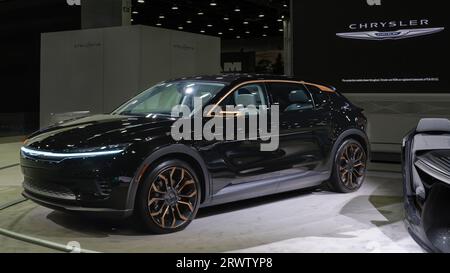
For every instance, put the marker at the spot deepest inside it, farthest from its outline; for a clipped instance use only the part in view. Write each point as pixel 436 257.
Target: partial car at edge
pixel 426 172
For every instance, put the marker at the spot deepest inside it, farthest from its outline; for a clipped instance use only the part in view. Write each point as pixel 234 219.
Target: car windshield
pixel 162 98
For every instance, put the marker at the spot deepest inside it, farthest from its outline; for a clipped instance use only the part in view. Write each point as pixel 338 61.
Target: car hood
pixel 99 131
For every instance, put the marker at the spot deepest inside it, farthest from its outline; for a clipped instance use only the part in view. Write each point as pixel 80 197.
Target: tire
pixel 349 168
pixel 169 198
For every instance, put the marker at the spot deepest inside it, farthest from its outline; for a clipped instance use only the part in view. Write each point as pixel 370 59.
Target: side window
pixel 321 98
pixel 291 97
pixel 253 95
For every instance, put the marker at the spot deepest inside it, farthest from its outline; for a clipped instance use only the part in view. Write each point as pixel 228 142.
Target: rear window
pixel 291 97
pixel 321 98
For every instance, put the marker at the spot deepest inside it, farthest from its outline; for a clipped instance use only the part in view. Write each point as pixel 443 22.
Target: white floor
pixel 370 220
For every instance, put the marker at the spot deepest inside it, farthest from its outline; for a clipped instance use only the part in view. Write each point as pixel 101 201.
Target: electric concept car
pixel 128 162
pixel 426 170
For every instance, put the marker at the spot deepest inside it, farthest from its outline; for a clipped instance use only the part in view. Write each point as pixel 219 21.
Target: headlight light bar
pixel 37 153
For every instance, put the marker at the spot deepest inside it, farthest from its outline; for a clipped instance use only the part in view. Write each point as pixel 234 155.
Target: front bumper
pixel 97 185
pixel 94 212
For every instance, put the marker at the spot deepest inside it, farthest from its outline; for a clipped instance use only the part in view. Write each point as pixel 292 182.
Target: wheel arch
pixel 177 151
pixel 355 134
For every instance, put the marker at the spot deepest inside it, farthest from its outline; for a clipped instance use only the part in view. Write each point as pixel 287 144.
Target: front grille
pixel 440 160
pixel 435 164
pixel 49 190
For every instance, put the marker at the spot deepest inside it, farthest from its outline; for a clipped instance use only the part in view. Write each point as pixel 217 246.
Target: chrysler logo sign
pixel 390 30
pixel 389 35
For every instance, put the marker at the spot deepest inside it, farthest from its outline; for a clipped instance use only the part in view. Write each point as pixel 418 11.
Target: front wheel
pixel 350 166
pixel 169 198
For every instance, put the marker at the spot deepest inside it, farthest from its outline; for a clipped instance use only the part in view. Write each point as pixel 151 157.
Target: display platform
pixel 370 220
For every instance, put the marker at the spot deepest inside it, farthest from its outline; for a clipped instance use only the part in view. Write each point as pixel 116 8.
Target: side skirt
pixel 267 187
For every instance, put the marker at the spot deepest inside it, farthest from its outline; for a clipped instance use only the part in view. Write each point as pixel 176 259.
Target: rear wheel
pixel 350 166
pixel 169 198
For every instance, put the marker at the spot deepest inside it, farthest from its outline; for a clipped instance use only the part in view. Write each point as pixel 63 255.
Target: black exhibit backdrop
pixel 373 45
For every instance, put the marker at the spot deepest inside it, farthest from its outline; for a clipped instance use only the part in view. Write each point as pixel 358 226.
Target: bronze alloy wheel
pixel 172 198
pixel 352 166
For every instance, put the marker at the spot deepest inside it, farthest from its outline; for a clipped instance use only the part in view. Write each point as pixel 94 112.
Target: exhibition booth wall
pixel 393 115
pixel 388 57
pixel 97 70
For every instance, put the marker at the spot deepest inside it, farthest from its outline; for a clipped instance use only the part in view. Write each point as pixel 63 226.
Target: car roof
pixel 233 79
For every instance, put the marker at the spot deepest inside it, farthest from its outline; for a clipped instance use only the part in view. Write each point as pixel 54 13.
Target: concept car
pixel 128 163
pixel 426 170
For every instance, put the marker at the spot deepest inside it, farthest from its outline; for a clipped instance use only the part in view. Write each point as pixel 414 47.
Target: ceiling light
pixel 231 29
pixel 237 9
pixel 238 37
pixel 209 25
pixel 200 13
pixel 158 24
pixel 281 30
pixel 220 33
pixel 174 8
pixel 247 32
pixel 213 4
pixel 245 23
pixel 261 16
pixel 264 35
pixel 266 27
pixel 180 27
pixel 226 18
pixel 202 31
pixel 162 17
pixel 189 21
pixel 280 20
pixel 141 1
pixel 135 12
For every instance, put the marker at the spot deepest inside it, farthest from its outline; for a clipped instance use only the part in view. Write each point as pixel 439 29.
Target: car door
pixel 237 161
pixel 299 152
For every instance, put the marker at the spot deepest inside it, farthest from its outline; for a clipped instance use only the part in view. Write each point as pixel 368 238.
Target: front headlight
pixel 78 153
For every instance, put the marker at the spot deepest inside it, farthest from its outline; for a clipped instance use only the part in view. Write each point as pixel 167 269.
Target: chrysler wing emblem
pixel 389 35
